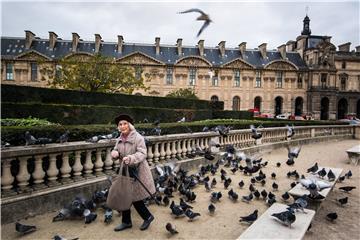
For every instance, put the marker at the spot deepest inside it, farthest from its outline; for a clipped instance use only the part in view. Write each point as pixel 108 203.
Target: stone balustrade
pixel 32 168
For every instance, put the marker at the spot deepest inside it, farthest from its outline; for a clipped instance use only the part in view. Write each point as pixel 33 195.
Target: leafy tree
pixel 96 73
pixel 188 93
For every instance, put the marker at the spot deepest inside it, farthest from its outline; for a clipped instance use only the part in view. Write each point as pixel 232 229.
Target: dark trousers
pixel 140 208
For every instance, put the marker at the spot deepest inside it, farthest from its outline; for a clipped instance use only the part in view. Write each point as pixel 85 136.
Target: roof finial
pixel 307 9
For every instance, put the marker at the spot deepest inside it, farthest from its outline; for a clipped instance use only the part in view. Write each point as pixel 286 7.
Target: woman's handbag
pixel 121 190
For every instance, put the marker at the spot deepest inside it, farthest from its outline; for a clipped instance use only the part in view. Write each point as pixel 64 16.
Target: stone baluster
pixel 39 174
pixel 156 153
pixel 77 167
pixel 207 142
pixel 197 143
pixel 173 149
pixel 193 145
pixel 23 176
pixel 179 149
pixel 202 146
pixel 189 149
pixel 98 163
pixel 88 165
pixel 168 151
pixel 65 168
pixel 183 153
pixel 150 155
pixel 7 179
pixel 108 161
pixel 162 151
pixel 52 171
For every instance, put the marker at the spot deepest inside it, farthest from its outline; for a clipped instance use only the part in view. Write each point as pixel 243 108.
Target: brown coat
pixel 134 147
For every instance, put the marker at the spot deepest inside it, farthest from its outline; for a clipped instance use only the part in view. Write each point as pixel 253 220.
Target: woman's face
pixel 123 127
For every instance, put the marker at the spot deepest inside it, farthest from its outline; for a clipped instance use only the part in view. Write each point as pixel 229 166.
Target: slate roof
pixel 11 47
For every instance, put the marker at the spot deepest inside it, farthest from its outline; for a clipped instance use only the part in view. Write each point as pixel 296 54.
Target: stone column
pixel 77 167
pixel 108 161
pixel 52 172
pixel 23 176
pixel 99 163
pixel 88 166
pixel 7 179
pixel 39 174
pixel 65 168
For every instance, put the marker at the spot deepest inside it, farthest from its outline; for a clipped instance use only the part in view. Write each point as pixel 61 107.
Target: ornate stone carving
pixel 138 59
pixel 238 64
pixel 280 66
pixel 192 61
pixel 32 56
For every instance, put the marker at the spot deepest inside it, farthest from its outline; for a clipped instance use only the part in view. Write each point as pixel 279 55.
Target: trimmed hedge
pixel 15 135
pixel 13 93
pixel 90 114
pixel 232 114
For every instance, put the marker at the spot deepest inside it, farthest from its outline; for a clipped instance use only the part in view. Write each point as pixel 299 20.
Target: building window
pixel 236 104
pixel 258 79
pixel 138 71
pixel 9 71
pixel 169 76
pixel 343 65
pixel 323 80
pixel 33 71
pixel 343 83
pixel 215 79
pixel 300 81
pixel 214 98
pixel 192 76
pixel 279 79
pixel 237 78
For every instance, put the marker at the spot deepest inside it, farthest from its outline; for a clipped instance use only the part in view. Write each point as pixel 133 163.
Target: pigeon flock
pixel 177 189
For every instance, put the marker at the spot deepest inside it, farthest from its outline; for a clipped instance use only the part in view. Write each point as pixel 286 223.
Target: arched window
pixel 257 103
pixel 214 98
pixel 236 104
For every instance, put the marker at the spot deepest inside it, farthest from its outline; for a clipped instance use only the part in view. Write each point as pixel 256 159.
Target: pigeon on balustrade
pixel 286 217
pixel 64 138
pixel 322 173
pixel 313 169
pixel 250 218
pixel 290 131
pixel 29 139
pixel 255 133
pixel 171 229
pixel 331 176
pixel 5 144
pixel 24 229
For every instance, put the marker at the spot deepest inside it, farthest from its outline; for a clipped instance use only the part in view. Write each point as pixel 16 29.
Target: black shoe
pixel 122 226
pixel 146 223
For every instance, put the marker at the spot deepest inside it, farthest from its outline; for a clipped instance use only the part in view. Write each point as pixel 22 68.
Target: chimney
pixel 262 48
pixel 282 51
pixel 345 47
pixel 290 46
pixel 75 41
pixel 242 48
pixel 357 48
pixel 222 48
pixel 157 45
pixel 201 47
pixel 29 37
pixel 179 46
pixel 97 42
pixel 52 40
pixel 120 44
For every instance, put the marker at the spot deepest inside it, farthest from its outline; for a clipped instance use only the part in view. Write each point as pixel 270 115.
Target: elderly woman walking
pixel 131 149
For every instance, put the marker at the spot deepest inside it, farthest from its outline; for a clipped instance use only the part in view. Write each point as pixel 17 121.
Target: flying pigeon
pixel 203 17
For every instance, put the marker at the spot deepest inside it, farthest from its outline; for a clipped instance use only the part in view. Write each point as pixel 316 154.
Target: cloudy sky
pixel 234 21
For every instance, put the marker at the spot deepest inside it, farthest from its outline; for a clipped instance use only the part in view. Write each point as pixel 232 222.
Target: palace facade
pixel 306 76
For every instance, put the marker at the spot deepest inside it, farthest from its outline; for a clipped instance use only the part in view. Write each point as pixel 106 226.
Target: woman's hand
pixel 126 160
pixel 114 154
